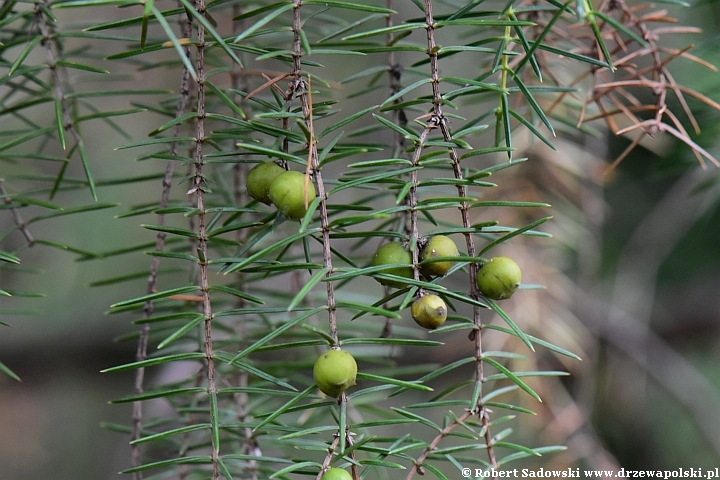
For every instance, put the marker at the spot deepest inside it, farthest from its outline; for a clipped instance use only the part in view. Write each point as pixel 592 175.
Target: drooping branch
pixel 438 120
pixel 239 82
pixel 434 444
pixel 398 117
pixel 67 123
pixel 198 188
pixel 301 87
pixel 148 307
pixel 17 216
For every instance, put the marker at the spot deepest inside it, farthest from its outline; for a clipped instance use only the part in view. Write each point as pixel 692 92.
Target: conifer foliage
pixel 393 118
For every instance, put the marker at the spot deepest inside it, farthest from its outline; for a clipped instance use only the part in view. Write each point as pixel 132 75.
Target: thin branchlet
pixel 50 43
pixel 239 82
pixel 639 63
pixel 439 121
pixel 303 89
pixel 413 203
pixel 17 216
pixel 398 140
pixel 300 87
pixel 198 188
pixel 435 442
pixel 394 78
pixel 333 447
pixel 655 78
pixel 148 307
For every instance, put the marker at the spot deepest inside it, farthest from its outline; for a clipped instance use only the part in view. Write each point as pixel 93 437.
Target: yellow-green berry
pixel 438 246
pixel 291 195
pixel 334 372
pixel 259 180
pixel 389 254
pixel 429 311
pixel 336 474
pixel 499 278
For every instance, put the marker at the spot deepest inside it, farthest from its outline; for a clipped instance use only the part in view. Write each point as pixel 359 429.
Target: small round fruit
pixel 260 178
pixel 392 253
pixel 336 474
pixel 334 372
pixel 438 246
pixel 286 193
pixel 499 278
pixel 429 311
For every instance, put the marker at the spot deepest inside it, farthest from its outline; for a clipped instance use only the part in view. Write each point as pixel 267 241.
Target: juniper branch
pixel 300 86
pixel 398 117
pixel 68 125
pixel 148 308
pixel 239 81
pixel 439 120
pixel 17 216
pixel 198 188
pixel 434 444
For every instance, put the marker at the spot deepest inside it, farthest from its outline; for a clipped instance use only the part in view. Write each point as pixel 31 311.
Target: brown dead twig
pixel 654 78
pixel 633 99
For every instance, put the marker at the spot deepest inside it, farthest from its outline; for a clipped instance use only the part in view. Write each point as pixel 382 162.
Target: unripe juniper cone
pixel 438 246
pixel 429 311
pixel 334 372
pixel 499 278
pixel 287 194
pixel 389 254
pixel 337 474
pixel 259 180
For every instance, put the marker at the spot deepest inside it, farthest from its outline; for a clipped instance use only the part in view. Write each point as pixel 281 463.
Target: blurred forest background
pixel 632 275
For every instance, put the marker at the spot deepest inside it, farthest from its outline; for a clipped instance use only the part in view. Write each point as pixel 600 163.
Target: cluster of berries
pixel 497 279
pixel 336 370
pixel 288 190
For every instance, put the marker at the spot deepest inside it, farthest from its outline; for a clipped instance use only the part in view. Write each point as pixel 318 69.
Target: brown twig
pixel 398 117
pixel 655 78
pixel 239 81
pixel 17 216
pixel 269 83
pixel 438 120
pixel 49 42
pixel 640 67
pixel 434 444
pixel 328 457
pixel 300 87
pixel 148 307
pixel 198 188
pixel 413 203
pixel 303 89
